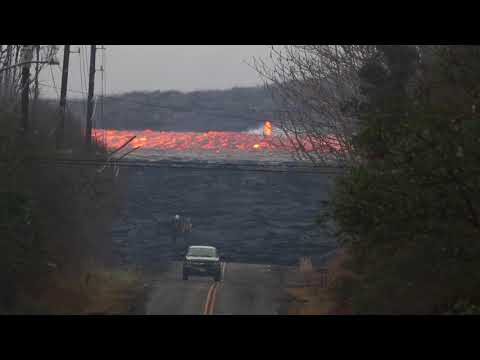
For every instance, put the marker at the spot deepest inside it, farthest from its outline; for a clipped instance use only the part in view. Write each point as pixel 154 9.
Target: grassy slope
pixel 101 291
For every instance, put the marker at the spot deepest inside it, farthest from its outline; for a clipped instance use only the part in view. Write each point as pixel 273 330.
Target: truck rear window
pixel 203 252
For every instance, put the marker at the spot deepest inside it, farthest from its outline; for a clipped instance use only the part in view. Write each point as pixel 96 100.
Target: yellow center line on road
pixel 206 308
pixel 212 301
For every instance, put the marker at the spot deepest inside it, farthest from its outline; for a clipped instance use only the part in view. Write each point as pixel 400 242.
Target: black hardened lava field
pixel 250 216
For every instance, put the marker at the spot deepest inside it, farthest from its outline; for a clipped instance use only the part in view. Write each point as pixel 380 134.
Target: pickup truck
pixel 202 261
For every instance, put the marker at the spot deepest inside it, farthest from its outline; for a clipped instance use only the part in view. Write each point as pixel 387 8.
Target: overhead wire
pixel 85 65
pixel 54 83
pixel 84 74
pixel 82 86
pixel 94 99
pixel 191 165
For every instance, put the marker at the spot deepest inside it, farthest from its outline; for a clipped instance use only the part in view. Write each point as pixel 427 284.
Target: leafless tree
pixel 10 74
pixel 312 86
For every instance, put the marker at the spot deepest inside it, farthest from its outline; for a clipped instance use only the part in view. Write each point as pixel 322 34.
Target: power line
pixel 85 62
pixel 54 84
pixel 58 72
pixel 102 93
pixel 91 92
pixel 190 166
pixel 84 74
pixel 82 87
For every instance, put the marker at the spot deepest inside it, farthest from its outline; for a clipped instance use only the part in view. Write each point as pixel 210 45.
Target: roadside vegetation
pixel 314 291
pixel 55 246
pixel 405 211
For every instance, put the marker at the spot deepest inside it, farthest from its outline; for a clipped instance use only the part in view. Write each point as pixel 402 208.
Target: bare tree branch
pixel 311 85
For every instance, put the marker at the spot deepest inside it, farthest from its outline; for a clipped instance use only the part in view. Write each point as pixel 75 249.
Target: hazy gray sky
pixel 160 67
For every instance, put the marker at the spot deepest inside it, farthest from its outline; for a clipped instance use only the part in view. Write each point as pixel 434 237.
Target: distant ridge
pixel 236 109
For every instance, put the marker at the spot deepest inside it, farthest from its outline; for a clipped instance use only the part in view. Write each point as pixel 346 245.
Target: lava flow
pixel 170 140
pixel 212 141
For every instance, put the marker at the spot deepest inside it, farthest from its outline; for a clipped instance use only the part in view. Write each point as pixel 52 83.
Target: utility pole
pixel 27 55
pixel 1 76
pixel 91 85
pixel 37 71
pixel 63 97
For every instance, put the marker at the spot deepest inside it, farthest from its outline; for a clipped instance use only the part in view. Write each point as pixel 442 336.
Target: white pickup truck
pixel 202 261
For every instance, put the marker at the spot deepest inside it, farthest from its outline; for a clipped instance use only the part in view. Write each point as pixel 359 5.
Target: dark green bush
pixel 409 214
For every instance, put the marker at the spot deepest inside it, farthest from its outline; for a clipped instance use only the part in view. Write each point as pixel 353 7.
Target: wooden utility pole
pixel 91 85
pixel 1 76
pixel 63 97
pixel 27 55
pixel 37 71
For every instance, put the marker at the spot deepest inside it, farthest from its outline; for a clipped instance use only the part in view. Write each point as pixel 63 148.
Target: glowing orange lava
pixel 172 140
pixel 212 141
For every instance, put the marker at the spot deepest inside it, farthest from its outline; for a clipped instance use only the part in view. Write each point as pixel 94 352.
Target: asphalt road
pixel 246 289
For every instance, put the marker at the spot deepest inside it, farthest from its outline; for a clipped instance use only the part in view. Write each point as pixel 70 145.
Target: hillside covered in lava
pixel 237 109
